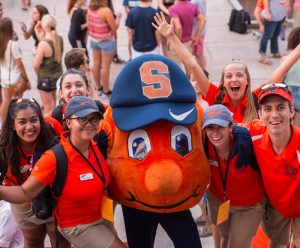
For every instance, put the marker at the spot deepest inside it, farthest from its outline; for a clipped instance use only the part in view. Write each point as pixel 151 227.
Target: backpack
pixel 44 203
pixel 238 21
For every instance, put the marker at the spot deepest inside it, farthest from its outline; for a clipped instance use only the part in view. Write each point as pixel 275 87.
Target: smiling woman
pixel 234 90
pixel 79 216
pixel 230 154
pixel 25 134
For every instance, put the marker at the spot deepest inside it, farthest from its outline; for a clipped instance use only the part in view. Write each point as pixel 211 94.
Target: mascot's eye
pixel 181 140
pixel 138 144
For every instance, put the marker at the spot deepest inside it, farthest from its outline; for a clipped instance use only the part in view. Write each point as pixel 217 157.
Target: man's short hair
pixel 75 58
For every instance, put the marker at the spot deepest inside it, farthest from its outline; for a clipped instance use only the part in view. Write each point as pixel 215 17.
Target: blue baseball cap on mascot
pixel 150 88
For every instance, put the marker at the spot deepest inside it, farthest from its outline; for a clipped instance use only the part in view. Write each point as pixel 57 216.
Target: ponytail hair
pixel 49 24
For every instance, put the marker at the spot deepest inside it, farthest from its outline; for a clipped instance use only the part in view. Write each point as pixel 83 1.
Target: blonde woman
pixel 47 61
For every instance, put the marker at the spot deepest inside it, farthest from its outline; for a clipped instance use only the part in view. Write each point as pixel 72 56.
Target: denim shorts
pixel 107 46
pixel 296 97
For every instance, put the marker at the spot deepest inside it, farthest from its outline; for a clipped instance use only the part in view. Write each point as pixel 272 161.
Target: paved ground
pixel 221 47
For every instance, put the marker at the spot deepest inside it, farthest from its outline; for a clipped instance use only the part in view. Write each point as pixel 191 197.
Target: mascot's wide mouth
pixel 133 199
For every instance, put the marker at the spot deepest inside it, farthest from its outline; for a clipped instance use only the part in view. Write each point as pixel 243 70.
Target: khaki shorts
pixel 172 54
pixel 242 223
pixel 278 228
pixel 25 217
pixel 98 234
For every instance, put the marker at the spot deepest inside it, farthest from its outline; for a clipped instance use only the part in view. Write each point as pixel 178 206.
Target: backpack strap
pixel 61 169
pixel 57 113
pixel 100 106
pixel 102 142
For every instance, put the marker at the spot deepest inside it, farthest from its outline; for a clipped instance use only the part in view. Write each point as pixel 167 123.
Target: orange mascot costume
pixel 158 166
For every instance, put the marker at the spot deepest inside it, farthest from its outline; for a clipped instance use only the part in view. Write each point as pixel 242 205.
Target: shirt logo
pixel 182 116
pixel 290 170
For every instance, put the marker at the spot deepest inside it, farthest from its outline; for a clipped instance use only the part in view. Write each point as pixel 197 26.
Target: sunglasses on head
pixel 30 100
pixel 274 86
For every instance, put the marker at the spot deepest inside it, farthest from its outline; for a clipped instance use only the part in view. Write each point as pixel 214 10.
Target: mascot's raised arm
pixel 155 151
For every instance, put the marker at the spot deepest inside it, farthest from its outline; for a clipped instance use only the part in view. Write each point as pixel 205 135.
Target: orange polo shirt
pixel 243 187
pixel 25 168
pixel 81 198
pixel 280 173
pixel 212 95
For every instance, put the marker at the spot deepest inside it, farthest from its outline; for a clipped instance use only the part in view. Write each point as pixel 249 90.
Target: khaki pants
pixel 278 228
pixel 98 234
pixel 242 223
pixel 25 217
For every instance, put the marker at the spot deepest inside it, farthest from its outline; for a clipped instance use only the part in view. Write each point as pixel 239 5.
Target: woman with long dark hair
pixel 24 134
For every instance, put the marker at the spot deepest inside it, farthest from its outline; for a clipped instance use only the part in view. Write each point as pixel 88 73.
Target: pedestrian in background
pixel 12 67
pixel 47 61
pixel 78 26
pixel 142 36
pixel 38 11
pixel 102 29
pixel 274 14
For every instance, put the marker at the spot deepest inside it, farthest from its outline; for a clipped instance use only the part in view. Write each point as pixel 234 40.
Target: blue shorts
pixel 107 46
pixel 296 97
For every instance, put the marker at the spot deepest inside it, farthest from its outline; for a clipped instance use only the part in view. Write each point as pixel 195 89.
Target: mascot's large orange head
pixel 155 152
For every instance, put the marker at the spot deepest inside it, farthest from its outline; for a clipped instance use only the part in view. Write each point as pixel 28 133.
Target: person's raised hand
pixel 162 25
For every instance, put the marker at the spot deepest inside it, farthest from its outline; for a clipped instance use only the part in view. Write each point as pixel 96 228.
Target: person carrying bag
pixel 14 80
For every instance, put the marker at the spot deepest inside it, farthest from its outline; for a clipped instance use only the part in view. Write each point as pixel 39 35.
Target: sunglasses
pixel 29 100
pixel 83 121
pixel 274 86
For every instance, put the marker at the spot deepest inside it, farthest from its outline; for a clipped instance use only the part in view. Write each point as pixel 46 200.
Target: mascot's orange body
pixel 151 174
pixel 155 153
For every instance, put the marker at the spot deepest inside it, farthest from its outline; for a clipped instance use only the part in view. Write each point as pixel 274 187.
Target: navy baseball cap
pixel 81 106
pixel 217 114
pixel 150 88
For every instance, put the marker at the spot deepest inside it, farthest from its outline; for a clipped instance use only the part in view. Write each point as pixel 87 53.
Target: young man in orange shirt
pixel 277 148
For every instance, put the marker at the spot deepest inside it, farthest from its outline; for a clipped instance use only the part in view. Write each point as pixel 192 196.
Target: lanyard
pixel 223 179
pixel 102 178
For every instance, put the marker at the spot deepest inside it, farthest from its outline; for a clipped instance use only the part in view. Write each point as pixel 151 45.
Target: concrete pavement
pixel 221 46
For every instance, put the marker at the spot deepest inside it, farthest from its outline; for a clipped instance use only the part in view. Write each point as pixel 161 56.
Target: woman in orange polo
pixel 78 209
pixel 235 179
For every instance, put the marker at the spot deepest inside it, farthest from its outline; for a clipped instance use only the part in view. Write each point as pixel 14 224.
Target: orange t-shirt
pixel 243 187
pixel 280 173
pixel 25 168
pixel 80 201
